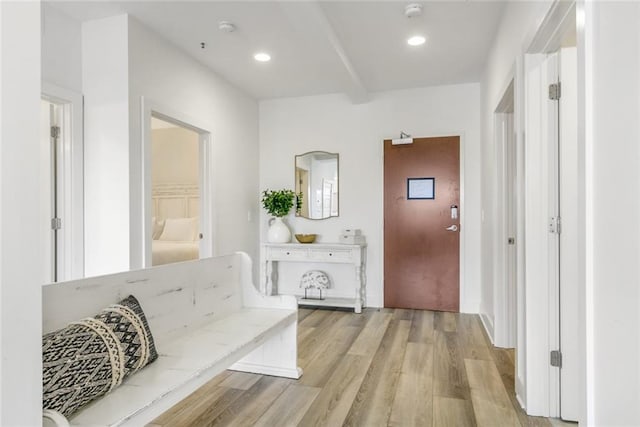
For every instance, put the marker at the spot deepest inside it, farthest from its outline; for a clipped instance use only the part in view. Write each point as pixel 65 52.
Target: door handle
pixel 452 228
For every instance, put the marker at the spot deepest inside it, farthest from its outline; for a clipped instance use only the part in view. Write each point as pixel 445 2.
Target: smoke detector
pixel 226 27
pixel 412 10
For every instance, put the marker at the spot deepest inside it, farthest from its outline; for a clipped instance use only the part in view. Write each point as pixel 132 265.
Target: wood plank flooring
pixel 384 367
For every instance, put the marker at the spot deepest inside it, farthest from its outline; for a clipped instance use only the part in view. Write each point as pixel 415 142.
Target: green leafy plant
pixel 278 202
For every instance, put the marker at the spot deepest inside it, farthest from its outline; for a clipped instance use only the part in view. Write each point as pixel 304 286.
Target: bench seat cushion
pixel 184 363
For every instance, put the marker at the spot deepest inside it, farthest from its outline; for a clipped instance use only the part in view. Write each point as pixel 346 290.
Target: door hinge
pixel 56 223
pixel 55 131
pixel 556 358
pixel 555 225
pixel 555 91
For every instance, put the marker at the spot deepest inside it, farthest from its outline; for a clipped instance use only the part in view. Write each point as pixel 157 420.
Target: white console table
pixel 274 253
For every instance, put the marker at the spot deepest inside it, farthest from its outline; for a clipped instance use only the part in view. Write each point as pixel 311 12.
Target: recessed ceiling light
pixel 413 10
pixel 226 26
pixel 416 40
pixel 262 57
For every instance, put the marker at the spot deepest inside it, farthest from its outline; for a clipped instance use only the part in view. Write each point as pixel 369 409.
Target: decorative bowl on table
pixel 306 238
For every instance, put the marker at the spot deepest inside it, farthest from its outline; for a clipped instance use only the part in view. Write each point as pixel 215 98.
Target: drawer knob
pixel 330 254
pixel 288 253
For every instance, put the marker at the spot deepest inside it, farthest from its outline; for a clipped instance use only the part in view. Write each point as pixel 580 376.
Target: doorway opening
pixel 177 212
pixel 504 325
pixel 175 193
pixel 63 183
pixel 50 115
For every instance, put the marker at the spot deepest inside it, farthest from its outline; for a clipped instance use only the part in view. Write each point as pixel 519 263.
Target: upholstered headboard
pixel 175 201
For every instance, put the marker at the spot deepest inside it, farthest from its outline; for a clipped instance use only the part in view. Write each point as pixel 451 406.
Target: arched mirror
pixel 316 178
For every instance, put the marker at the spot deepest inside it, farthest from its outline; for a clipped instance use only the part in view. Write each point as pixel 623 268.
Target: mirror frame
pixel 295 161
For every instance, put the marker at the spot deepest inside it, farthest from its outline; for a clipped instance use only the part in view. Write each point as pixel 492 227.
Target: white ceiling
pixel 355 47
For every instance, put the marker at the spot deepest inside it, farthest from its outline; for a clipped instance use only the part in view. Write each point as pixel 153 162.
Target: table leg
pixel 269 278
pixel 358 305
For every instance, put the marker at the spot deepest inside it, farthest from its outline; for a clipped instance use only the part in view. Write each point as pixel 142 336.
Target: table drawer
pixel 337 255
pixel 281 254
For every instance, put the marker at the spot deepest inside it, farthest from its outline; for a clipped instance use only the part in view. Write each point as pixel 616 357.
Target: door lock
pixel 452 228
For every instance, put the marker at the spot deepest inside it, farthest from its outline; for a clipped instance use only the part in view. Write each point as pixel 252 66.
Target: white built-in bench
pixel 205 316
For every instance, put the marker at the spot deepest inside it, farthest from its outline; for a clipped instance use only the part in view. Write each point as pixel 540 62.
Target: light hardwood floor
pixel 385 367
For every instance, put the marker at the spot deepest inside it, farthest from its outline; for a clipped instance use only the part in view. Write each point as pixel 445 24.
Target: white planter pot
pixel 278 231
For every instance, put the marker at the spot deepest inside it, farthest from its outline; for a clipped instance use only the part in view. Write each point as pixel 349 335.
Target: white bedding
pixel 165 252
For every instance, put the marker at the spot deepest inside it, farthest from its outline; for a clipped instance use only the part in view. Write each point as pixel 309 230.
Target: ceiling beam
pixel 309 16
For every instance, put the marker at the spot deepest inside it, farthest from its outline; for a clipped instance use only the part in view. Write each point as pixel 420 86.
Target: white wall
pixel 611 55
pixel 61 49
pixel 21 227
pixel 170 78
pixel 332 123
pixel 174 156
pixel 518 25
pixel 105 69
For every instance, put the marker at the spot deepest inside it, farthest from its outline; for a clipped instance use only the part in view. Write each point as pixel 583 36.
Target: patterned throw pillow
pixel 128 322
pixel 91 357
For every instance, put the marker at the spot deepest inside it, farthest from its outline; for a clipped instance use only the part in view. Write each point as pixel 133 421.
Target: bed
pixel 174 240
pixel 175 211
pixel 163 252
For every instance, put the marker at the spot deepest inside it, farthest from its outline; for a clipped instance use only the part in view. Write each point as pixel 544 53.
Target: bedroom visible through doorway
pixel 175 193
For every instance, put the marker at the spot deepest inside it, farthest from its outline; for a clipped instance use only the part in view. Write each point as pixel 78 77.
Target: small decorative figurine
pixel 314 279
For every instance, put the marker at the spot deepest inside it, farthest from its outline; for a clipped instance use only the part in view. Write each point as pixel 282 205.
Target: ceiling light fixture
pixel 405 138
pixel 226 26
pixel 413 10
pixel 416 41
pixel 262 57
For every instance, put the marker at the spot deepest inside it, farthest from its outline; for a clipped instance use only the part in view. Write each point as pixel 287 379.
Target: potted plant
pixel 278 203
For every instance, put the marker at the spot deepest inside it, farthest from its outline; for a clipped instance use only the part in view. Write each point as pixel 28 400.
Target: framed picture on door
pixel 421 188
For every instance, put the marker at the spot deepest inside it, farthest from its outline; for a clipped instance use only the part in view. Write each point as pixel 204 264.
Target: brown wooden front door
pixel 422 257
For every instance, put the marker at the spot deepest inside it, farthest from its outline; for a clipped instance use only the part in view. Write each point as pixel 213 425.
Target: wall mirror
pixel 316 178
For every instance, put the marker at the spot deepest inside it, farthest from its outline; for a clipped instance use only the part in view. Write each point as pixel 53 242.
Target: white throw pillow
pixel 180 229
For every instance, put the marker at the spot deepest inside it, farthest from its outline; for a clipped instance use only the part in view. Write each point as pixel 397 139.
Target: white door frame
pixel 71 162
pixel 505 253
pixel 465 300
pixel 151 109
pixel 569 238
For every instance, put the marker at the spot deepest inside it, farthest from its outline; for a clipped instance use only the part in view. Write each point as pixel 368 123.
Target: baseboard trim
pixel 488 326
pixel 519 386
pixel 519 399
pixel 274 371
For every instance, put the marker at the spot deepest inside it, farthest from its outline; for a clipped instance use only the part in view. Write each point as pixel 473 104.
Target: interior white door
pixel 511 224
pixel 540 314
pixel 551 227
pixel 46 119
pixel 505 245
pixel 205 208
pixel 52 165
pixel 569 373
pixel 63 183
